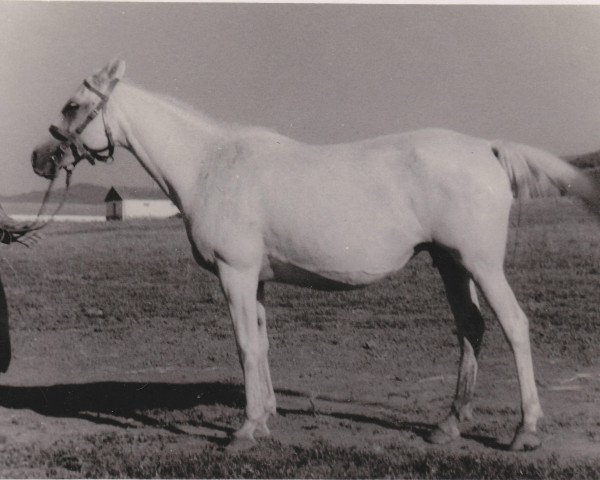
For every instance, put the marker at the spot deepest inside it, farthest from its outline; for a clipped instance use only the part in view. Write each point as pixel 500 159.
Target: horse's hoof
pixel 238 444
pixel 466 413
pixel 440 436
pixel 525 441
pixel 262 431
pixel 446 431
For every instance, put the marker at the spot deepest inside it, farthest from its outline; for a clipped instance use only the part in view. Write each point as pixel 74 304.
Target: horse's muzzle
pixel 45 160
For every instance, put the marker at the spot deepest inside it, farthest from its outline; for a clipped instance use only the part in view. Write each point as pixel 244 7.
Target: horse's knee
pixel 250 357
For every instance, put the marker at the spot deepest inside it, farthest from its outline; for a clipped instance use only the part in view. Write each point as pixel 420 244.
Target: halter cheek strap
pixel 71 140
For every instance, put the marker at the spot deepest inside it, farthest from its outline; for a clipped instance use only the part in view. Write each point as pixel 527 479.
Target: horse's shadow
pixel 120 403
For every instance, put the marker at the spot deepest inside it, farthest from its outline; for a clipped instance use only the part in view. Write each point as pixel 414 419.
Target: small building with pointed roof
pixel 124 203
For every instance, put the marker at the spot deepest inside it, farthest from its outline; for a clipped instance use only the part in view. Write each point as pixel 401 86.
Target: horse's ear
pixel 113 70
pixel 116 69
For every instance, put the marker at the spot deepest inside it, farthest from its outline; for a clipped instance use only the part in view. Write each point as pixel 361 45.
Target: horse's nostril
pixel 33 158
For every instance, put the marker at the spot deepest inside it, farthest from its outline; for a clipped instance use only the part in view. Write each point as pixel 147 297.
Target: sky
pixel 318 73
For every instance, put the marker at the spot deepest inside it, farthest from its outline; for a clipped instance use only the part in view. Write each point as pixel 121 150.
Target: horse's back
pixel 436 168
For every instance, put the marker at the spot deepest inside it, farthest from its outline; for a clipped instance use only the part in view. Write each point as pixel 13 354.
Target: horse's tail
pixel 535 173
pixel 5 352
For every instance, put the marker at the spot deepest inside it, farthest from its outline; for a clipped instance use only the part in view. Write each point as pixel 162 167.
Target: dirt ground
pixel 347 394
pixel 147 353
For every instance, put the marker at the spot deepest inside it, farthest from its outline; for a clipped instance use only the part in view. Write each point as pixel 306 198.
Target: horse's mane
pixel 226 126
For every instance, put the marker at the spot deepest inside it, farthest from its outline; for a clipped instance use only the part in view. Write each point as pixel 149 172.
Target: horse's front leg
pixel 270 403
pixel 240 288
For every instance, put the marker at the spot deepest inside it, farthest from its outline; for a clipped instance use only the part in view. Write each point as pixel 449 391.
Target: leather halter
pixel 71 140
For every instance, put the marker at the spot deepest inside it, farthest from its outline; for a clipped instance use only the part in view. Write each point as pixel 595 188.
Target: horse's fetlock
pixel 446 431
pixel 465 413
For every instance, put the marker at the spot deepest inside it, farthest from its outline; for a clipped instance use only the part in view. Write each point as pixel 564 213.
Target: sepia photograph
pixel 299 240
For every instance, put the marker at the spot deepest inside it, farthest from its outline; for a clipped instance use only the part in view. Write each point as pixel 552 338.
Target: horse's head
pixel 82 131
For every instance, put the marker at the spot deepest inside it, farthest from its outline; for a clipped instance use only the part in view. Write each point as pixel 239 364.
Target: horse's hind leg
pixel 462 297
pixel 501 298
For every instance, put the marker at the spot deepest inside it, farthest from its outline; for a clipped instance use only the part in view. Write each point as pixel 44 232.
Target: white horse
pixel 261 207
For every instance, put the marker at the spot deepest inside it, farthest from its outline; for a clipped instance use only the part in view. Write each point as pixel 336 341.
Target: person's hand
pixel 25 238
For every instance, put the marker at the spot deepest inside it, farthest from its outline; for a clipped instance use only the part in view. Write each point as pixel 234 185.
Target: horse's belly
pixel 348 253
pixel 318 278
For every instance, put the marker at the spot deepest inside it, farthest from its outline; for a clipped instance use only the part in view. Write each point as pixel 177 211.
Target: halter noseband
pixel 71 140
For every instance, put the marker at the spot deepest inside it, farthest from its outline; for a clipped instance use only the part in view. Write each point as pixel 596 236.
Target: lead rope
pixel 16 232
pixel 516 225
pixel 39 222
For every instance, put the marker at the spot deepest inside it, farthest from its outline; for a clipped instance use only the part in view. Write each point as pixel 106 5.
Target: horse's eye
pixel 70 108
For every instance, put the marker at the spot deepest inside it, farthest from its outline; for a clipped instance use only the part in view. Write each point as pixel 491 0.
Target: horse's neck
pixel 170 141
